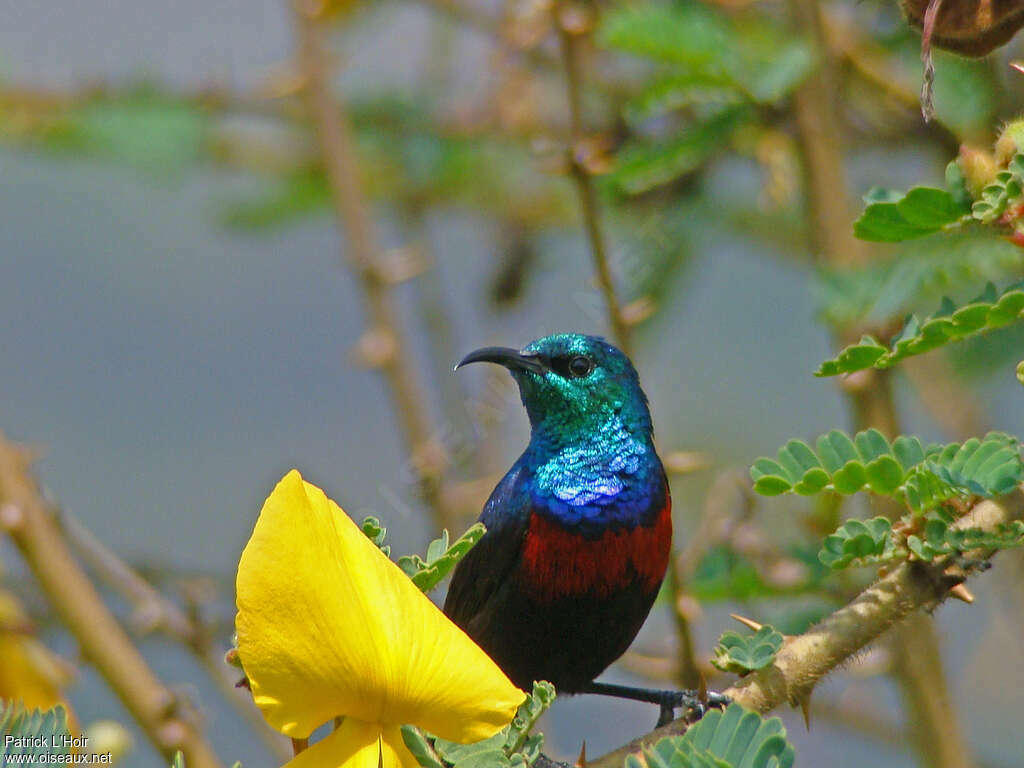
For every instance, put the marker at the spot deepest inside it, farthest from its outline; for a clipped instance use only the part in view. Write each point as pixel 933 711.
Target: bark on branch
pixel 103 643
pixel 805 659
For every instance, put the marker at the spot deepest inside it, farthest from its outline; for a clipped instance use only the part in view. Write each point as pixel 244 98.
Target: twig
pixel 720 515
pixel 939 738
pixel 937 387
pixel 103 642
pixel 153 612
pixel 383 345
pixel 805 659
pixel 569 38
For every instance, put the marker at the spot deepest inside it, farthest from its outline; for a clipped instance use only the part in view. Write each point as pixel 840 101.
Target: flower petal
pixel 357 745
pixel 328 625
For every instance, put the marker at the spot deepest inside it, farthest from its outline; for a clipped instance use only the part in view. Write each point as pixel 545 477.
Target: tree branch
pixel 383 345
pixel 805 659
pixel 152 611
pixel 104 644
pixel 937 733
pixel 569 40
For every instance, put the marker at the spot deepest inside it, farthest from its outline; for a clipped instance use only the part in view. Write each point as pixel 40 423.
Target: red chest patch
pixel 558 563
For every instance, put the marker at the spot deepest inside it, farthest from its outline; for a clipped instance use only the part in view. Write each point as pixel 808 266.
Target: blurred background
pixel 196 296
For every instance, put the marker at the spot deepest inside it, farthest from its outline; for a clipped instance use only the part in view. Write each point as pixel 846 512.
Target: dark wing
pixel 480 576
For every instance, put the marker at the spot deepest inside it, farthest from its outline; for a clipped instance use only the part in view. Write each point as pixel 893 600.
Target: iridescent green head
pixel 570 382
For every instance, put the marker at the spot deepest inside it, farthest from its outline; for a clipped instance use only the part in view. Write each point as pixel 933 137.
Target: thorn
pixel 12 518
pixel 376 347
pixel 702 690
pixel 960 592
pixel 748 623
pixel 685 462
pixel 1018 65
pixel 581 761
pixel 805 707
pixel 299 745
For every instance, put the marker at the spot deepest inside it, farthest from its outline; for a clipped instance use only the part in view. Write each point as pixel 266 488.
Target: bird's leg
pixel 669 701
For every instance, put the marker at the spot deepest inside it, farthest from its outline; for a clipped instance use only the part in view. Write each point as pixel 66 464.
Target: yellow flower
pixel 29 672
pixel 328 626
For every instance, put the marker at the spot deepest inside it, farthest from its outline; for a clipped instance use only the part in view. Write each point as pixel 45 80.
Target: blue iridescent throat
pixel 607 477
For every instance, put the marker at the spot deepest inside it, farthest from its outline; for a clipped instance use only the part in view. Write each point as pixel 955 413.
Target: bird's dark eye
pixel 581 366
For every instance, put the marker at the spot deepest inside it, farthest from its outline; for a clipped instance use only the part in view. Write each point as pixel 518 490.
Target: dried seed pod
pixel 968 27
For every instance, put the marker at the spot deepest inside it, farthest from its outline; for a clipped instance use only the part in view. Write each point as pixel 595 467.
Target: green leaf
pixel 949 324
pixel 143 128
pixel 687 34
pixel 858 543
pixel 641 166
pixel 482 754
pixel 675 90
pixel 441 558
pixel 517 733
pixel 35 734
pixel 375 532
pixel 922 211
pixel 998 195
pixel 742 654
pixel 920 271
pixel 289 200
pixel 777 66
pixel 420 747
pixel 940 539
pixel 735 738
pixel 513 745
pixel 905 470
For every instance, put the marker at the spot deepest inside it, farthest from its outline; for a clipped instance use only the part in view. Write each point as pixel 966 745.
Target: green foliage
pixel 715 67
pixel 296 196
pixel 724 574
pixel 1020 371
pixel 906 470
pixel 375 532
pixel 37 734
pixel 706 55
pixel 742 654
pixel 514 747
pixel 892 217
pixel 950 323
pixel 1005 190
pixel 643 166
pixel 143 128
pixel 859 542
pixel 441 558
pixel 735 738
pixel 939 538
pixel 410 160
pixel 921 271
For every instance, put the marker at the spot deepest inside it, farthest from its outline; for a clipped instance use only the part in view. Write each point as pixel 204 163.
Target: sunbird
pixel 578 531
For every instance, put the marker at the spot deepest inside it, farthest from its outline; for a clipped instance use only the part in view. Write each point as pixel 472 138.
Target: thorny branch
pixel 918 667
pixel 26 518
pixel 384 344
pixel 153 612
pixel 805 659
pixel 570 30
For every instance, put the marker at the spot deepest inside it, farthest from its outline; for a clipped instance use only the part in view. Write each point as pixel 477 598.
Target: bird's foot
pixel 696 702
pixel 690 701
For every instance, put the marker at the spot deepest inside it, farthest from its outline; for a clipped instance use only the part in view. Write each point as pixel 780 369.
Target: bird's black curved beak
pixel 512 359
